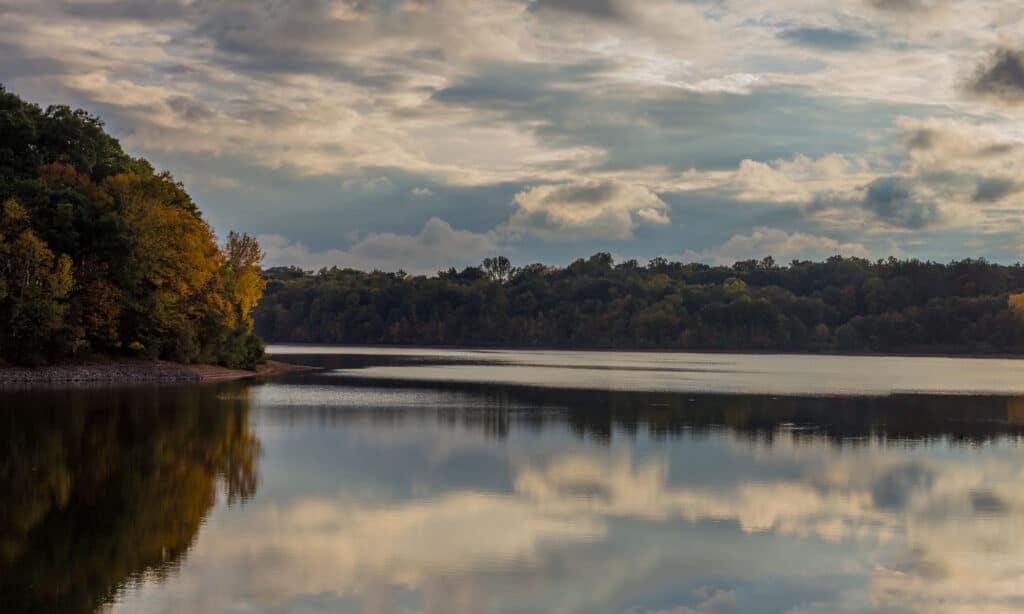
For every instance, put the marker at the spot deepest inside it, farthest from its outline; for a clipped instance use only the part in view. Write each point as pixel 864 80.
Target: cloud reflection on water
pixel 586 527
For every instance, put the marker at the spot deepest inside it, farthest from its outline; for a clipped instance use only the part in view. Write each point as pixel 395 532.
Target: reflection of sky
pixel 416 512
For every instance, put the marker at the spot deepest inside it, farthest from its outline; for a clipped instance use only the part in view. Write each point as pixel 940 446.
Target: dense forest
pixel 842 304
pixel 100 254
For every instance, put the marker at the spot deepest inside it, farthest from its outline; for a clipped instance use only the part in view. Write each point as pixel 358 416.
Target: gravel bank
pixel 135 372
pixel 120 371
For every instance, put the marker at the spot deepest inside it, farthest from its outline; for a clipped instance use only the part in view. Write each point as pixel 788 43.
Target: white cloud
pixel 587 209
pixel 436 246
pixel 780 245
pixel 337 546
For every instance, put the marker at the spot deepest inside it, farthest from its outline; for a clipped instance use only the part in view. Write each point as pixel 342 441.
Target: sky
pixel 423 134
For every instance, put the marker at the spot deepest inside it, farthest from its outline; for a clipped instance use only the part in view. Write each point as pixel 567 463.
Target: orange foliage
pixel 1015 303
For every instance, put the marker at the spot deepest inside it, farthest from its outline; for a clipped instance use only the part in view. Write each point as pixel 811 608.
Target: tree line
pixel 102 254
pixel 840 304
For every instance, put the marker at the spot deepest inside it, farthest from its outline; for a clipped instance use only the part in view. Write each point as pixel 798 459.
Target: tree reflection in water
pixel 101 487
pixel 601 415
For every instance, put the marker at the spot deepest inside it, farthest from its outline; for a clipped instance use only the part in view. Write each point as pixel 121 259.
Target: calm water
pixel 474 482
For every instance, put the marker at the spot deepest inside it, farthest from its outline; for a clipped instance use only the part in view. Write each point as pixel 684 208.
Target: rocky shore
pixel 136 372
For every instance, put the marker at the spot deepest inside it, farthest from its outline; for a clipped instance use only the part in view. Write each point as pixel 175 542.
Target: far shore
pixel 127 371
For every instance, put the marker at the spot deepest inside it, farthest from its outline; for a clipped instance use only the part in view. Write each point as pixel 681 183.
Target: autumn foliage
pixel 101 254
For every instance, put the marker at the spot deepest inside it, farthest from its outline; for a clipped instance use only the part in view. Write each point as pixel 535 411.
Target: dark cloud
pixel 149 10
pixel 583 193
pixel 522 89
pixel 987 502
pixel 993 189
pixel 1000 77
pixel 598 9
pixel 893 200
pixel 922 138
pixel 824 38
pixel 902 6
pixel 917 563
pixel 894 489
pixel 996 150
pixel 274 38
pixel 189 109
pixel 953 141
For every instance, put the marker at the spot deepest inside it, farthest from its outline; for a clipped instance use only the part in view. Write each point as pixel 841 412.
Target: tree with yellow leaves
pixel 33 285
pixel 100 253
pixel 1015 303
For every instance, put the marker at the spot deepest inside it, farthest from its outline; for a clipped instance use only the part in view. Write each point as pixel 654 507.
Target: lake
pixel 443 481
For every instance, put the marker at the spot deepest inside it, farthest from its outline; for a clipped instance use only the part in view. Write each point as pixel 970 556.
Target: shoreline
pixel 270 368
pixel 138 372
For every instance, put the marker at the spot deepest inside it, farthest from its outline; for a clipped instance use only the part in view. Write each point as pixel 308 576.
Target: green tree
pixel 498 268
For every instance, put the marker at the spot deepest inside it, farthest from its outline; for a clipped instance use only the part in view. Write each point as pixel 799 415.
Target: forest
pixel 101 254
pixel 839 305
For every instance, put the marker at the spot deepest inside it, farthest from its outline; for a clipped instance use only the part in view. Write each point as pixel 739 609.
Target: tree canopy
pixel 102 254
pixel 841 304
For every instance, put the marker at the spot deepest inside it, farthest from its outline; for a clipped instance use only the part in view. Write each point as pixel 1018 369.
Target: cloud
pixel 600 9
pixel 588 209
pixel 778 244
pixel 825 38
pixel 331 546
pixel 794 180
pixel 961 163
pixel 189 109
pixel 435 247
pixel 920 138
pixel 150 10
pixel 905 6
pixel 994 189
pixel 1000 77
pixel 895 201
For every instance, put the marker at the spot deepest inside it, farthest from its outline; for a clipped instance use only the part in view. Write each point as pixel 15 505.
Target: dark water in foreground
pixel 404 482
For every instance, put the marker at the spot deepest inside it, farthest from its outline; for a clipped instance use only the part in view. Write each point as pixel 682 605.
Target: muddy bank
pixel 136 372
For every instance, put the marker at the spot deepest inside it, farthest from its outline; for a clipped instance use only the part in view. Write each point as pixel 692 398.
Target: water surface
pixel 465 482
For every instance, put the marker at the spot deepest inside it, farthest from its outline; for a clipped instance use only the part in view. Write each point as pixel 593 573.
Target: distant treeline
pixel 841 304
pixel 101 254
